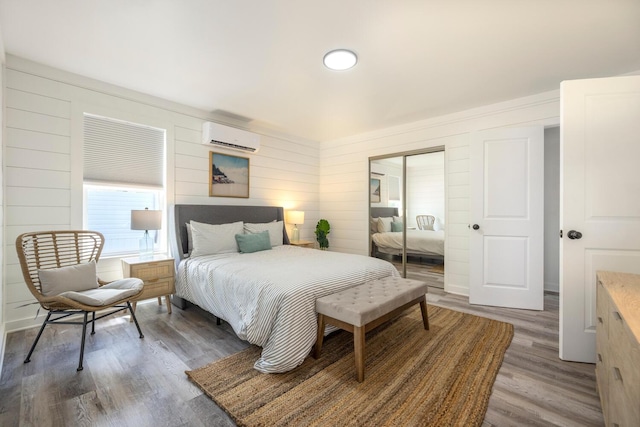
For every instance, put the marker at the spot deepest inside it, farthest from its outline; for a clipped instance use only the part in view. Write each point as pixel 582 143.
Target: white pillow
pixel 80 277
pixel 437 225
pixel 211 239
pixel 373 224
pixel 274 228
pixel 384 224
pixel 189 239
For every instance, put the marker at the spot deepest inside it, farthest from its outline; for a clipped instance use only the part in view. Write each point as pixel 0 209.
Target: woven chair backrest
pixel 53 249
pixel 425 222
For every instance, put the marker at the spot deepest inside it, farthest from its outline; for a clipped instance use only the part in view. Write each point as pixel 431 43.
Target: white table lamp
pixel 295 218
pixel 146 220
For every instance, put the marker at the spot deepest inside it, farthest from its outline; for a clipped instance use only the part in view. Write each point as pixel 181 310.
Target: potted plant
pixel 322 229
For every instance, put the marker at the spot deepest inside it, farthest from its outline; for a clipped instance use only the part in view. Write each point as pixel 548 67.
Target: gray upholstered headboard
pixel 179 215
pixel 383 211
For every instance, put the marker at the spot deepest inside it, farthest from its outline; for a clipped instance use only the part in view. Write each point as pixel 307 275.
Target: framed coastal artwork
pixel 228 175
pixel 375 190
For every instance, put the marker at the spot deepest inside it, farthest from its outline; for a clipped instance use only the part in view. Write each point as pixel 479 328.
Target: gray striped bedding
pixel 268 297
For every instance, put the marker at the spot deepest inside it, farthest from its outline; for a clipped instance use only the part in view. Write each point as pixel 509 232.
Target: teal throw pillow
pixel 249 243
pixel 396 226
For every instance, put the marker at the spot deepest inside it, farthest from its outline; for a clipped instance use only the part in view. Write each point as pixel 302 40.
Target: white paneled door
pixel 506 218
pixel 600 199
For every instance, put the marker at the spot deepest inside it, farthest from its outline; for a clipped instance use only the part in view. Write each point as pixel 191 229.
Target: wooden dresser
pixel 618 347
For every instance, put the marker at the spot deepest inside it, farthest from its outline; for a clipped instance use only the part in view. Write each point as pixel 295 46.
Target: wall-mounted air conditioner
pixel 227 137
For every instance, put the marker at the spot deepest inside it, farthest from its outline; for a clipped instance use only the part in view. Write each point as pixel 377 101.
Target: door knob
pixel 574 235
pixel 476 227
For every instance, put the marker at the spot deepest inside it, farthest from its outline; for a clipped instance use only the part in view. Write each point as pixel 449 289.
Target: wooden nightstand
pixel 157 274
pixel 304 243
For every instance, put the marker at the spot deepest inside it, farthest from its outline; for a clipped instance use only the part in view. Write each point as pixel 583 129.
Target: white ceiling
pixel 261 60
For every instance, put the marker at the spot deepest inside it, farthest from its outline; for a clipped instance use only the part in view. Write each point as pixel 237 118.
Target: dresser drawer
pixel 602 313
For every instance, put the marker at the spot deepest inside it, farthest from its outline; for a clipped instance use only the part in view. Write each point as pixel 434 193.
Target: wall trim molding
pixel 3 344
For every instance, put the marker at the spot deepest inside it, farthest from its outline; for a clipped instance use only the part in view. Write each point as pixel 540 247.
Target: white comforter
pixel 268 297
pixel 418 241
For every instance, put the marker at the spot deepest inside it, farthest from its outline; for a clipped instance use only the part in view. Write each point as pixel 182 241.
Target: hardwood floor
pixel 141 382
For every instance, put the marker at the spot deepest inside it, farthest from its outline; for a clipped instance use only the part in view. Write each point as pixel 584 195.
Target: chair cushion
pixel 80 277
pixel 107 294
pixel 362 304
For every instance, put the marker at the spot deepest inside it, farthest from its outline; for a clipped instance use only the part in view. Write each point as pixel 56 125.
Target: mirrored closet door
pixel 407 212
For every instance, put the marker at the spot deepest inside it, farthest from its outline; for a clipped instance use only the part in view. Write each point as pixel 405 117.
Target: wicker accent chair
pixel 425 222
pixel 59 259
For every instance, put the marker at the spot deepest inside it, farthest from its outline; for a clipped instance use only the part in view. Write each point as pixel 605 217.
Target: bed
pixel 421 243
pixel 268 297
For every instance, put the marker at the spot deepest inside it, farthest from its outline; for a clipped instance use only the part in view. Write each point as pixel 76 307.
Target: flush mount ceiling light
pixel 340 59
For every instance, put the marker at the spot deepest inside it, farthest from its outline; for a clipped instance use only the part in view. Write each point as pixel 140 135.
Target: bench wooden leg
pixel 318 346
pixel 358 343
pixel 425 317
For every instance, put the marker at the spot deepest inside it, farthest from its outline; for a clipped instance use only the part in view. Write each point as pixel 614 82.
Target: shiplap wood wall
pixel 2 251
pixel 344 178
pixel 43 163
pixel 425 187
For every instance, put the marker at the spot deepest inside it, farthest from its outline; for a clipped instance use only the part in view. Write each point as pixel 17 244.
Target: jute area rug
pixel 413 377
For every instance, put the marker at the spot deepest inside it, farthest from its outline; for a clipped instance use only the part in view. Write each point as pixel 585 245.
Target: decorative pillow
pixel 81 277
pixel 211 239
pixel 384 224
pixel 274 228
pixel 396 226
pixel 397 219
pixel 373 224
pixel 189 239
pixel 254 242
pixel 437 225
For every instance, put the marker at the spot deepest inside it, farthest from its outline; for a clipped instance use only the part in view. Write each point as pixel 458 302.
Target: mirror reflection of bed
pixel 423 198
pixel 425 248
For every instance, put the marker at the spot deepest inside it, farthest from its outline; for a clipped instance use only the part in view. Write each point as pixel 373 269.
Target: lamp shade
pixel 295 217
pixel 146 220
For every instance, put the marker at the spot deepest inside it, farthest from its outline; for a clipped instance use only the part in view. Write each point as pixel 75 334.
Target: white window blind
pixel 122 152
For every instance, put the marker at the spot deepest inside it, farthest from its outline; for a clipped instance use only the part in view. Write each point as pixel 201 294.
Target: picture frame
pixel 374 185
pixel 228 175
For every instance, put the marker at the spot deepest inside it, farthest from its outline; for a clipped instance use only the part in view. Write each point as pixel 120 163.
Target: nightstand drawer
pixel 157 288
pixel 152 271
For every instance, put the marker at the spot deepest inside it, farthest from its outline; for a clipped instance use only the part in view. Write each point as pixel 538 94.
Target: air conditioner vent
pixel 230 138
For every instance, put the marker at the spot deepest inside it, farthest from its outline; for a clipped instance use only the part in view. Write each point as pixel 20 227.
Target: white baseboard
pixel 552 287
pixel 3 344
pixel 19 325
pixel 458 290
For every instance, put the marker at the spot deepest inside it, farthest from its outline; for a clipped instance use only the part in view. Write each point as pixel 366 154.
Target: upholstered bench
pixel 362 308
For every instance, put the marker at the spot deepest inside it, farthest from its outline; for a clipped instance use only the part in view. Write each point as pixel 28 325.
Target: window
pixel 123 170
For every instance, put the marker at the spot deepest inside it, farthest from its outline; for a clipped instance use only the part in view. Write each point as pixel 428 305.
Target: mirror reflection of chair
pixel 425 222
pixel 59 268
